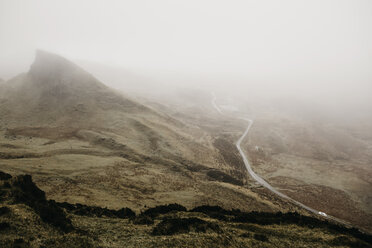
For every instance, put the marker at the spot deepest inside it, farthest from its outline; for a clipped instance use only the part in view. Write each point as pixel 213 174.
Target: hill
pixel 86 143
pixel 28 219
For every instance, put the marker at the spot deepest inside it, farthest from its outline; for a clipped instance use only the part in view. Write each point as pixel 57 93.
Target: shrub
pixel 4 226
pixel 183 225
pixel 163 209
pixel 345 241
pixel 4 210
pixel 260 237
pixel 125 213
pixel 23 190
pixel 143 220
pixel 223 177
pixel 95 211
pixel 4 176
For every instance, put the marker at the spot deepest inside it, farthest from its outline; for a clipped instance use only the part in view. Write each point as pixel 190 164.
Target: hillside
pixel 304 150
pixel 86 143
pixel 97 151
pixel 28 219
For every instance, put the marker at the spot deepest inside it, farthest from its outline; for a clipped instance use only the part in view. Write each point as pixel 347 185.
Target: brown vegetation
pixel 204 225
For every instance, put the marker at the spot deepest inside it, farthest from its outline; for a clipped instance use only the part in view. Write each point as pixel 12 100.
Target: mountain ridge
pixel 56 86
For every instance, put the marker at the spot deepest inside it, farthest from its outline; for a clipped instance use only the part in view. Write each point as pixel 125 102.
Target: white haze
pixel 319 49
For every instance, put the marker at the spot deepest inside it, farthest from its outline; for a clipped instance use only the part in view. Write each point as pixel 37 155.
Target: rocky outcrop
pixel 22 190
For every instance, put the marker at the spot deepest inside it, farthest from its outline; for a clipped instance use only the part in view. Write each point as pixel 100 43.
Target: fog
pixel 318 50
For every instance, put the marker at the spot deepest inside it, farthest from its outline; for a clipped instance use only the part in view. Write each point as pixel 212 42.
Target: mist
pixel 198 123
pixel 314 51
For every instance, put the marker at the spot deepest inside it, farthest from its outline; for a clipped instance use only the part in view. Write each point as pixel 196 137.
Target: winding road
pixel 259 179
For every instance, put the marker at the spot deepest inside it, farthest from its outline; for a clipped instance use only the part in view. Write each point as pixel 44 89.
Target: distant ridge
pixel 56 90
pixel 53 69
pixel 56 99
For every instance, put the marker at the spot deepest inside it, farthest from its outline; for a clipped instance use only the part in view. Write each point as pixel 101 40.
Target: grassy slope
pixel 323 166
pixel 84 142
pixel 27 219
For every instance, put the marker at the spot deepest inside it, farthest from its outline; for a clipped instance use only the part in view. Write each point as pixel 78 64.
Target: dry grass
pixel 323 166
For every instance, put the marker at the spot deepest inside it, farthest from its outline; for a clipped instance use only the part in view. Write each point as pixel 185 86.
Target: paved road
pixel 261 180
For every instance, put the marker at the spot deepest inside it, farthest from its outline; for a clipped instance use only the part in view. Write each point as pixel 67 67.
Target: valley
pixel 85 143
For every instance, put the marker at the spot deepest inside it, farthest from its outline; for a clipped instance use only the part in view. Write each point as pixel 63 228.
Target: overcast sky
pixel 302 42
